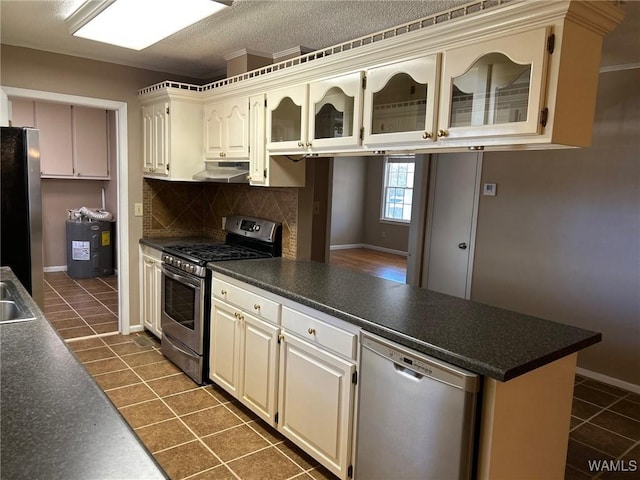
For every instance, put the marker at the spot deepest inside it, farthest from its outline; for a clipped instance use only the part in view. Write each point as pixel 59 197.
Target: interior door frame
pixel 122 179
pixel 433 167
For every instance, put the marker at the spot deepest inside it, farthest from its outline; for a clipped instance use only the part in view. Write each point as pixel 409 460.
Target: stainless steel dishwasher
pixel 416 417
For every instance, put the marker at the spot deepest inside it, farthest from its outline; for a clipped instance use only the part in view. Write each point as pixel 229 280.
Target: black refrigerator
pixel 21 213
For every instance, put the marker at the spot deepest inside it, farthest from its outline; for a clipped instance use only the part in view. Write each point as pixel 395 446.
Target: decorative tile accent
pixel 196 209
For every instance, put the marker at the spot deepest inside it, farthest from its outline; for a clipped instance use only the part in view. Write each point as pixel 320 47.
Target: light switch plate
pixel 489 189
pixel 138 210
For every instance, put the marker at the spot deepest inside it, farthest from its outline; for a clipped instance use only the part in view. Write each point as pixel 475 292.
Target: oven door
pixel 183 308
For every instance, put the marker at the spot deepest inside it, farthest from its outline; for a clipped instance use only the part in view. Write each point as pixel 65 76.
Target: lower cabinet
pixel 244 358
pixel 315 402
pixel 293 370
pixel 151 281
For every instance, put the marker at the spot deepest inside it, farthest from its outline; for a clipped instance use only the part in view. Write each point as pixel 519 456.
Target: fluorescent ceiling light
pixel 136 24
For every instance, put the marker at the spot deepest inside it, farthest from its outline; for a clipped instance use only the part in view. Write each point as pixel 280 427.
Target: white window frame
pixel 383 203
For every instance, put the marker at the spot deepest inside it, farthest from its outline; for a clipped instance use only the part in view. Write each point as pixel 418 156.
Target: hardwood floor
pixel 376 263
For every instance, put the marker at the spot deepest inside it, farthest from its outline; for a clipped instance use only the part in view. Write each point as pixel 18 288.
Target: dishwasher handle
pixel 407 372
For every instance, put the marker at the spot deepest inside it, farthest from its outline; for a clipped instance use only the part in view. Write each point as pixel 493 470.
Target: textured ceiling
pixel 268 26
pixel 261 25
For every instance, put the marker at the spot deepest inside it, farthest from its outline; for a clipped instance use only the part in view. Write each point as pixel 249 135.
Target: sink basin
pixel 11 308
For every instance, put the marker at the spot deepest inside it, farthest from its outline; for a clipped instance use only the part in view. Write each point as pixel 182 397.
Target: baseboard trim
pixel 136 328
pixel 59 268
pixel 615 382
pixel 369 247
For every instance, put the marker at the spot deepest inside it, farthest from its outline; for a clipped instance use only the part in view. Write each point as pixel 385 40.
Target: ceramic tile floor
pixel 81 307
pixel 194 432
pixel 605 425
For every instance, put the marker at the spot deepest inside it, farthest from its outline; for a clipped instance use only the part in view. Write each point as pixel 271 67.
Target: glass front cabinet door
pixel 335 109
pixel 287 119
pixel 399 103
pixel 494 88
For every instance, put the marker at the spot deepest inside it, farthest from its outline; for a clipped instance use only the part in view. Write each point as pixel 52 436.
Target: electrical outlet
pixel 138 211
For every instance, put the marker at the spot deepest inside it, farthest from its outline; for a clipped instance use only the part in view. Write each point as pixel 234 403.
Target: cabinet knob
pixel 426 135
pixel 256 307
pixel 311 331
pixel 223 292
pixel 308 144
pixel 443 133
pixel 222 154
pixel 236 314
pixel 300 144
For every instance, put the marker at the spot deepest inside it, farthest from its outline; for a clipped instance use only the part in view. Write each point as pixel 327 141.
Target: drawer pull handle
pixel 256 307
pixel 223 292
pixel 311 331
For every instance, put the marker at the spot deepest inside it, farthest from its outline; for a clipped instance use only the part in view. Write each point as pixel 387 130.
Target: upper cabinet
pixel 226 130
pixel 74 140
pixel 287 119
pixel 495 88
pixel 399 105
pixel 490 75
pixel 335 112
pixel 172 132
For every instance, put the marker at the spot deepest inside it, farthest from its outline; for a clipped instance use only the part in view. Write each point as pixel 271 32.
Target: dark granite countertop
pixel 56 421
pixel 160 242
pixel 490 341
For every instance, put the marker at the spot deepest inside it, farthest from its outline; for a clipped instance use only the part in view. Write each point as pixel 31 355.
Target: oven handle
pixel 173 345
pixel 181 277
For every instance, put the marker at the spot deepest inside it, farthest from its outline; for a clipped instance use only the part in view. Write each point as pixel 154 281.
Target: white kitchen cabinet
pixel 287 119
pixel 335 112
pixel 226 130
pixel 56 142
pixel 244 347
pixel 151 282
pixel 23 112
pixel 172 135
pixel 399 103
pixel 266 170
pixel 494 88
pixel 315 401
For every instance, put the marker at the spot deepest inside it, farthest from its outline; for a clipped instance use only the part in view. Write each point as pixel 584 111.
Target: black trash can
pixel 90 248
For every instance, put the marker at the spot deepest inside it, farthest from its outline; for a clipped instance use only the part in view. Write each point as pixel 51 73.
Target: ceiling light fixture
pixel 137 24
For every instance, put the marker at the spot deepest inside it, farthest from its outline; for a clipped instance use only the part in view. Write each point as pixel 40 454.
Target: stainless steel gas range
pixel 186 287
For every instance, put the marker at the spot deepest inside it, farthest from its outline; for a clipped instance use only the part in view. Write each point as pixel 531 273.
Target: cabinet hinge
pixel 361 133
pixel 544 115
pixel 364 82
pixel 551 42
pixel 265 173
pixel 275 419
pixel 354 378
pixel 167 167
pixel 350 471
pixel 265 102
pixel 167 110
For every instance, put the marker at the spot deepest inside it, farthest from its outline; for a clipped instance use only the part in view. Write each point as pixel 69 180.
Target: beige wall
pixel 561 240
pixel 394 236
pixel 347 200
pixel 37 70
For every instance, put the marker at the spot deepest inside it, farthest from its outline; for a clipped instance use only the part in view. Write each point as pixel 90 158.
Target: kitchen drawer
pixel 320 333
pixel 248 301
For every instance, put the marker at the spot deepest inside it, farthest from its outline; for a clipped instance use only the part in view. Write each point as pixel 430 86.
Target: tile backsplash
pixel 189 208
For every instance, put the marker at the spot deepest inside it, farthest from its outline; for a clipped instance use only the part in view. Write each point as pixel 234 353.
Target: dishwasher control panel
pixel 421 365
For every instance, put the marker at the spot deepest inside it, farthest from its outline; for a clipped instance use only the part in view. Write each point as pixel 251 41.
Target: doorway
pixel 122 181
pixel 451 223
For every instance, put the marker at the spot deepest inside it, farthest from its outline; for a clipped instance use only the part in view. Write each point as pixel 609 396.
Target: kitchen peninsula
pixel 527 363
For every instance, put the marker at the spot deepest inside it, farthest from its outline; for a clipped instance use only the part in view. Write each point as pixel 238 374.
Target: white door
pixel 451 217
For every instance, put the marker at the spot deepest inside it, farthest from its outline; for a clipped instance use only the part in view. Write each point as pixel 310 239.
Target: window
pixel 397 190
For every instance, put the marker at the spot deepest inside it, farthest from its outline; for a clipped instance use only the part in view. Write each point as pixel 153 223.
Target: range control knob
pixel 178 263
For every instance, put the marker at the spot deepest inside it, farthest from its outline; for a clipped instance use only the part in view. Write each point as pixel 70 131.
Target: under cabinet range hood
pixel 224 172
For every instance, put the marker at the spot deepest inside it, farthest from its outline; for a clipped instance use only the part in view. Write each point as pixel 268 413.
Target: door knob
pixel 462 246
